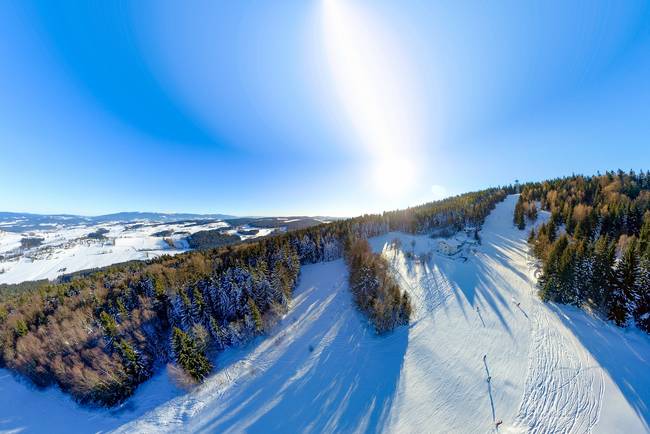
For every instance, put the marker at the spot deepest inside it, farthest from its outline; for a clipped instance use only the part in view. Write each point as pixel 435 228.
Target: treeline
pixel 375 291
pixel 31 242
pixel 211 239
pixel 595 249
pixel 469 209
pixel 99 334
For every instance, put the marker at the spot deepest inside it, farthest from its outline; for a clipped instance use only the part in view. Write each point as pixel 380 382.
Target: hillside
pixel 552 368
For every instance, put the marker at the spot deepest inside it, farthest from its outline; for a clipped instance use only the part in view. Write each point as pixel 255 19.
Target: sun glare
pixel 393 176
pixel 371 79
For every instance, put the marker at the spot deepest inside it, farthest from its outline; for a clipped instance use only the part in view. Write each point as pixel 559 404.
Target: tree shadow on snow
pixel 335 375
pixel 477 282
pixel 504 252
pixel 624 354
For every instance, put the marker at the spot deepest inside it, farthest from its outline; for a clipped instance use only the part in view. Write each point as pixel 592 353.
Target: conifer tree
pixel 583 271
pixel 553 272
pixel 531 237
pixel 519 214
pixel 108 324
pixel 198 304
pixel 603 279
pixel 189 356
pixel 21 328
pixel 644 234
pixel 133 361
pixel 622 300
pixel 642 310
pixel 257 317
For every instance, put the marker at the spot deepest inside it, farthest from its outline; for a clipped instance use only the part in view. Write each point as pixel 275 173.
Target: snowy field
pixel 551 368
pixel 66 249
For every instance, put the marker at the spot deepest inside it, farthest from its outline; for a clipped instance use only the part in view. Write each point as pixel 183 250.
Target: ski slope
pixel 476 315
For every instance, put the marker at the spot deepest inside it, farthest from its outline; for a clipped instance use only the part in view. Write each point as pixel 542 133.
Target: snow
pixel 552 368
pixel 29 410
pixel 66 249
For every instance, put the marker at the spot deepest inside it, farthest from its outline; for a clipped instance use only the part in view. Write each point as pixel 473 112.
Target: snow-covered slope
pixel 551 368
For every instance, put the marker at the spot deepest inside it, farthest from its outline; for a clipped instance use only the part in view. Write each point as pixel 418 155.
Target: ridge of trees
pixel 99 334
pixel 375 291
pixel 595 249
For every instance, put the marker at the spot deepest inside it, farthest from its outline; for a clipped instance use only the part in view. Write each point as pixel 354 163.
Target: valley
pixel 46 247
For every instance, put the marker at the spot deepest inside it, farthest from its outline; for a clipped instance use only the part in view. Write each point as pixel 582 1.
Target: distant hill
pixel 20 222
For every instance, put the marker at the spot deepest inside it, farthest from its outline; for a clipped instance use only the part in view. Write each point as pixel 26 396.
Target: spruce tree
pixel 554 271
pixel 133 361
pixel 582 271
pixel 642 309
pixel 189 356
pixel 622 301
pixel 108 324
pixel 644 234
pixel 567 292
pixel 531 237
pixel 519 214
pixel 602 280
pixel 257 317
pixel 551 230
pixel 198 304
pixel 21 328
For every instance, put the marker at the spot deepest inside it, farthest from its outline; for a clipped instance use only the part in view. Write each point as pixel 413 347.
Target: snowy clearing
pixel 481 348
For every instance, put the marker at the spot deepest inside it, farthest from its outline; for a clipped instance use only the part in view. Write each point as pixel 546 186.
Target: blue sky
pixel 329 107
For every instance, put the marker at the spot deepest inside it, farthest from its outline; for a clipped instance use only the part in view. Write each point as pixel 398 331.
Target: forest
pixel 375 291
pixel 595 248
pixel 99 334
pixel 210 239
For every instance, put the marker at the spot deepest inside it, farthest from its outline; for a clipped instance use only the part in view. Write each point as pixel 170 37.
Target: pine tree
pixel 189 356
pixel 226 309
pixel 554 271
pixel 198 304
pixel 257 317
pixel 644 234
pixel 20 329
pixel 133 361
pixel 583 271
pixel 567 291
pixel 161 304
pixel 531 237
pixel 519 214
pixel 602 280
pixel 531 212
pixel 551 230
pixel 405 309
pixel 622 301
pixel 108 324
pixel 642 310
pixel 262 291
pixel 180 312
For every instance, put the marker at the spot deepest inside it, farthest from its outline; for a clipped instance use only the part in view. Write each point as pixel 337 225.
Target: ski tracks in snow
pixel 564 385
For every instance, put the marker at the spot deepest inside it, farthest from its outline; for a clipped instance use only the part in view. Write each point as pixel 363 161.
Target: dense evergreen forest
pixel 595 249
pixel 211 239
pixel 375 291
pixel 98 335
